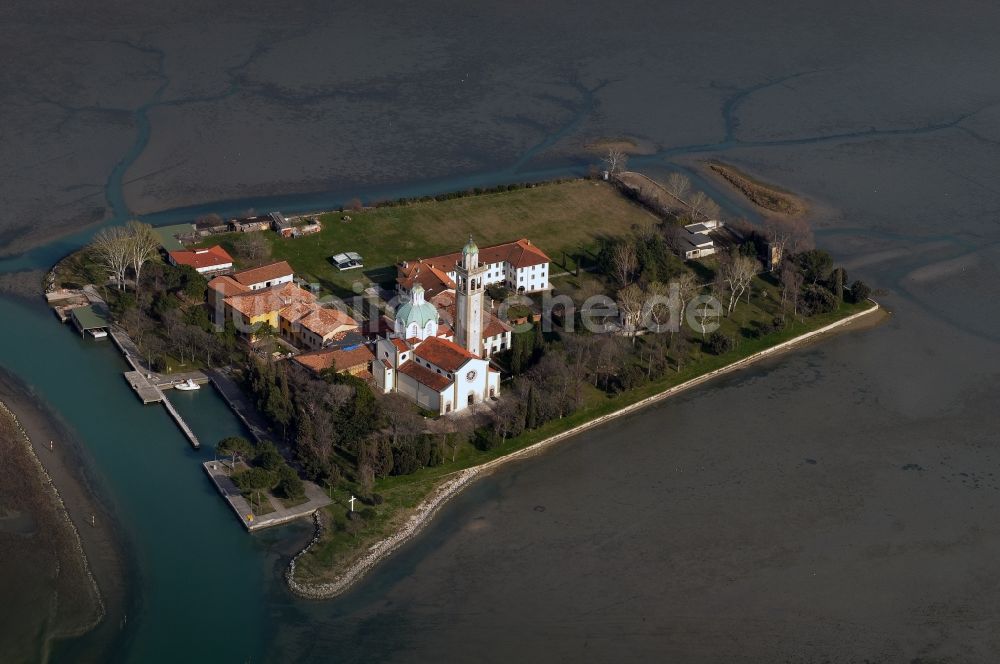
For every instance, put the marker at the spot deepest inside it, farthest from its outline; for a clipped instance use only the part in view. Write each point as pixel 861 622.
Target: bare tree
pixel 615 161
pixel 678 185
pixel 687 288
pixel 111 247
pixel 791 285
pixel 658 310
pixel 697 204
pixel 624 261
pixel 737 272
pixel 252 246
pixel 785 237
pixel 630 300
pixel 508 418
pixel 142 247
pixel 402 419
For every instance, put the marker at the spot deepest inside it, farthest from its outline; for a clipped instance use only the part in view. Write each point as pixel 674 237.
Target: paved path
pixel 146 390
pixel 317 498
pixel 237 400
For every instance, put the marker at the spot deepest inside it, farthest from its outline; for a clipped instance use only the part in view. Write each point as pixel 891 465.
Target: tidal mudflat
pixel 837 504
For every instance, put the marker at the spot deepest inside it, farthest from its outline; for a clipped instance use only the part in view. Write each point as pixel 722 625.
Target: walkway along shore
pixel 423 513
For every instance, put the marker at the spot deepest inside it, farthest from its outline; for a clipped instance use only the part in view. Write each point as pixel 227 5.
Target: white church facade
pixel 444 368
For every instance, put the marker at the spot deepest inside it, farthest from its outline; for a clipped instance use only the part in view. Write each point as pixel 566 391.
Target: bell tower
pixel 469 300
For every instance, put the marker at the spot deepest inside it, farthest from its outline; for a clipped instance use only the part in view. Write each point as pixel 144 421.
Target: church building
pixel 444 367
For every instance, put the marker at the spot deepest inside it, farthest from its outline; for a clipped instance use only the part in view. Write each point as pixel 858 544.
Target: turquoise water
pixel 201 575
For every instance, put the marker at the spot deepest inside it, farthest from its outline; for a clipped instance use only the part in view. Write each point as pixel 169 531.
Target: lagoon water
pixel 835 504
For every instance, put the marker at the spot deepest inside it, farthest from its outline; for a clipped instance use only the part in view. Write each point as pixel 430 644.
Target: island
pixel 384 355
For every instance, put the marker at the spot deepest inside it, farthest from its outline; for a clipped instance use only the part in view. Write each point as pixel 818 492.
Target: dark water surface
pixel 835 504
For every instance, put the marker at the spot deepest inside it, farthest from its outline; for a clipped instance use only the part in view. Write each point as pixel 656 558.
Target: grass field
pixel 565 217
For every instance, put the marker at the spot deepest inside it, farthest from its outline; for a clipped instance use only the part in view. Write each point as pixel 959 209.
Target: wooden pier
pixel 148 392
pixel 193 439
pixel 149 386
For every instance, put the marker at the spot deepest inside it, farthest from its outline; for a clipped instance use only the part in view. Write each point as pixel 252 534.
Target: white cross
pixel 351 501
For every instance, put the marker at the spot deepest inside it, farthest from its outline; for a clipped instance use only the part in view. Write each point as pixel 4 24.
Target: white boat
pixel 186 385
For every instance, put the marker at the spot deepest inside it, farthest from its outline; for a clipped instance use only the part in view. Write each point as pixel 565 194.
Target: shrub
pixel 818 300
pixel 486 439
pixel 289 484
pixel 719 344
pixel 860 291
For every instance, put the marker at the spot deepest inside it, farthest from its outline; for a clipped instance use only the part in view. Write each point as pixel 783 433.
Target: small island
pixel 384 355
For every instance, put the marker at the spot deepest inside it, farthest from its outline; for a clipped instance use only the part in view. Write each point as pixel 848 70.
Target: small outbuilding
pixel 92 319
pixel 349 260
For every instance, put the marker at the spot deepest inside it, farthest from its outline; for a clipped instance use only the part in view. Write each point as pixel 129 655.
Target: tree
pixel 658 312
pixel 860 291
pixel 615 161
pixel 267 456
pixel 785 237
pixel 142 247
pixel 839 277
pixel 252 247
pixel 234 445
pixel 402 419
pixel 702 207
pixel 112 250
pixel 818 300
pixel 289 484
pixel 624 261
pixel 687 288
pixel 719 343
pixel 678 185
pixel 508 419
pixel 680 348
pixel 815 264
pixel 737 272
pixel 630 301
pixel 195 284
pixel 791 285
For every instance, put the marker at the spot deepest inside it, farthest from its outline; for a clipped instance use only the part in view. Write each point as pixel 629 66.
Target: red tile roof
pixel 430 277
pixel 443 353
pixel 400 345
pixel 264 273
pixel 425 376
pixel 520 253
pixel 493 326
pixel 226 286
pixel 324 321
pixel 259 302
pixel 344 360
pixel 200 259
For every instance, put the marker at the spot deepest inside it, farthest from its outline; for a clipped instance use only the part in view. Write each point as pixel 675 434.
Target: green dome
pixel 416 310
pixel 470 248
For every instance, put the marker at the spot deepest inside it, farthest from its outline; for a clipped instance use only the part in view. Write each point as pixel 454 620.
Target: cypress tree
pixel 531 409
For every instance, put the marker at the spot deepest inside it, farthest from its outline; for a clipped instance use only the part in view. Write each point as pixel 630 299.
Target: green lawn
pixel 339 547
pixel 560 217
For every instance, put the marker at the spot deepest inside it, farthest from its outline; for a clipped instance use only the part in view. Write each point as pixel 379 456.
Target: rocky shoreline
pixel 425 511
